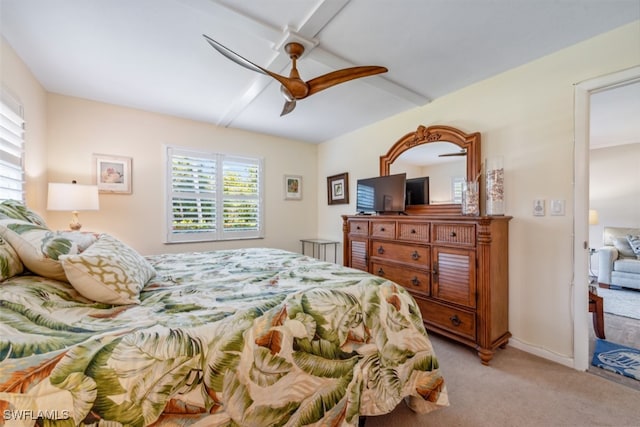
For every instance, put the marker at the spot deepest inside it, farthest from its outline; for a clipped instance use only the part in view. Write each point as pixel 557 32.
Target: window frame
pixel 219 197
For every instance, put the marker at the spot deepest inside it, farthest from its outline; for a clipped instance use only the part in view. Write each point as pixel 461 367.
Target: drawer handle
pixel 415 255
pixel 380 250
pixel 413 231
pixel 357 227
pixel 415 281
pixel 455 321
pixel 381 228
pixel 452 234
pixel 380 272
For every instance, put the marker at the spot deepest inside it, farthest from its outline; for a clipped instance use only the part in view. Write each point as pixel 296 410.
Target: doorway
pixel 583 92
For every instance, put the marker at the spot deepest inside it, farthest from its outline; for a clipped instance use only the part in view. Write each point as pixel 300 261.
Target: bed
pixel 246 337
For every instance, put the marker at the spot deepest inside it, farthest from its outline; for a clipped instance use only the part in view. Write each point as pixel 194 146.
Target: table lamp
pixel 72 197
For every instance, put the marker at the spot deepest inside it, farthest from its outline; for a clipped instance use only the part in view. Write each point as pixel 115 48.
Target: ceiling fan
pixel 293 87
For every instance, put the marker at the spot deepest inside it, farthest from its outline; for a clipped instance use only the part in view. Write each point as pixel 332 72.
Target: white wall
pixel 614 190
pixel 526 116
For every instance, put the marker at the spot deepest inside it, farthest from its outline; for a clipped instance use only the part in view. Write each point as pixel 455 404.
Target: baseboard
pixel 541 352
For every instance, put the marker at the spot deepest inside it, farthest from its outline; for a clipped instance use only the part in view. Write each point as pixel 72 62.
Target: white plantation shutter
pixel 213 196
pixel 11 150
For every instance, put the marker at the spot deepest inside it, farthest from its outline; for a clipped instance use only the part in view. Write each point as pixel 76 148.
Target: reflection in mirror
pixel 443 162
pixel 447 141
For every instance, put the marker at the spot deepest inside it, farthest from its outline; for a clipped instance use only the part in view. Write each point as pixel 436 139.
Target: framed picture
pixel 338 189
pixel 292 187
pixel 112 174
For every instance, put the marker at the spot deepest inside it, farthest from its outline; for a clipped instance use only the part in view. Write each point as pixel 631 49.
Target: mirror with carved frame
pixel 444 143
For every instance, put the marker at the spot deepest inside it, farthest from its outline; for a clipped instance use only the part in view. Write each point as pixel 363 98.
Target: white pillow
pixel 108 271
pixel 634 242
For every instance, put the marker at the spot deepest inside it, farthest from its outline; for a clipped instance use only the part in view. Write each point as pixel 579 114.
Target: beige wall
pixel 78 128
pixel 525 115
pixel 614 190
pixel 23 86
pixel 63 132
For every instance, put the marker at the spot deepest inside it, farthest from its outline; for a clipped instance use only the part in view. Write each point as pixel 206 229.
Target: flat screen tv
pixel 382 194
pixel 417 191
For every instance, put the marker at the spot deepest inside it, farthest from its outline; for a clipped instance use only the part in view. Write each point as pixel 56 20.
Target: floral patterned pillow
pixel 39 248
pixel 634 242
pixel 17 210
pixel 109 271
pixel 10 264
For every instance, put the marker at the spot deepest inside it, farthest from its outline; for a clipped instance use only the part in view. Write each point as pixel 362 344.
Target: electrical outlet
pixel 538 207
pixel 557 207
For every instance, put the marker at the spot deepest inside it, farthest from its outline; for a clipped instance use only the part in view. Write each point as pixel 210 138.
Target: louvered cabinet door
pixel 454 275
pixel 358 250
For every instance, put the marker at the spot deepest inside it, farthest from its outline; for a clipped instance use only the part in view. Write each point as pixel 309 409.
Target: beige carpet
pixel 519 389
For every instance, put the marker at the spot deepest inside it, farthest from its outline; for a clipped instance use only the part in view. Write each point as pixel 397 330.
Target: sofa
pixel 619 258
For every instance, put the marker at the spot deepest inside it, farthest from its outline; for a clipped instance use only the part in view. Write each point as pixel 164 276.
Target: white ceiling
pixel 150 54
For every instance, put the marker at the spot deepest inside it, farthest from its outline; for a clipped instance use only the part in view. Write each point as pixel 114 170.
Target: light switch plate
pixel 557 207
pixel 538 207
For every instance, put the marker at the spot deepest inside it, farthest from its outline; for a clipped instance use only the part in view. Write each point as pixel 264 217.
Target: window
pixel 11 149
pixel 456 188
pixel 213 196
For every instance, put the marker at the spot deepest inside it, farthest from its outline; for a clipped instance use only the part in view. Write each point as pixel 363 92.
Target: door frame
pixel 582 103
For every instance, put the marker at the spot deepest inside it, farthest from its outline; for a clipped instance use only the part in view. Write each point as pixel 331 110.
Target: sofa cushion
pixel 627 265
pixel 634 242
pixel 623 246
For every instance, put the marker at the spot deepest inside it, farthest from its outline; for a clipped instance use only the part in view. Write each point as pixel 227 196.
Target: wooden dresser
pixel 455 266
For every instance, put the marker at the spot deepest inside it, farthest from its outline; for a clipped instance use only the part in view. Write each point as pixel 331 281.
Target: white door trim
pixel 582 96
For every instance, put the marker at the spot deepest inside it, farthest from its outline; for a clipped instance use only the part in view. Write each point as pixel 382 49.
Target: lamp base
pixel 75 224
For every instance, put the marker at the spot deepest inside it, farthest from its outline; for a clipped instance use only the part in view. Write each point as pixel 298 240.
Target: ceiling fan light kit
pixel 293 87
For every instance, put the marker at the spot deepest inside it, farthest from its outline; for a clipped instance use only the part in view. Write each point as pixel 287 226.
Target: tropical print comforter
pixel 248 337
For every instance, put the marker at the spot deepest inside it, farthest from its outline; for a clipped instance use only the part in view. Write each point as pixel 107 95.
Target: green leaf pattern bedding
pixel 247 337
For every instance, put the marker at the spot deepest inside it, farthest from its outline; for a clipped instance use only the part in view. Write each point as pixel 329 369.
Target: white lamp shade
pixel 593 217
pixel 72 197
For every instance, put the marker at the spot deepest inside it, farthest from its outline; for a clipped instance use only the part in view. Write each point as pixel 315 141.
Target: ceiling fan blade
pixel 228 53
pixel 459 153
pixel 288 107
pixel 234 56
pixel 340 76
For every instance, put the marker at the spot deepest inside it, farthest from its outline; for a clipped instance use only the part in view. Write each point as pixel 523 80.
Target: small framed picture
pixel 338 189
pixel 112 174
pixel 292 187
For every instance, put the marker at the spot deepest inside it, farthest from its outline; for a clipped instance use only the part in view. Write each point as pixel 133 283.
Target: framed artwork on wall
pixel 338 189
pixel 292 187
pixel 112 174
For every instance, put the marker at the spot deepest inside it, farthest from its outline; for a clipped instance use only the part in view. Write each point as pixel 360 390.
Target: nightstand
pixel 319 247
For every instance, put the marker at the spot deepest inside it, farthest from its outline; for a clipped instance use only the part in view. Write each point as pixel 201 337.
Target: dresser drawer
pixel 413 280
pixel 458 234
pixel 386 229
pixel 413 231
pixel 406 253
pixel 450 319
pixel 359 227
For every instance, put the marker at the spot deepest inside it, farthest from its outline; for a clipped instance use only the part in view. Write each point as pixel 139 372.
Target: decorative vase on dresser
pixel 455 266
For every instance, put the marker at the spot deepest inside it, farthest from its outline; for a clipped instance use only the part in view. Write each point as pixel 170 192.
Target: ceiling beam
pixel 315 21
